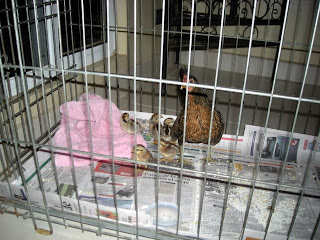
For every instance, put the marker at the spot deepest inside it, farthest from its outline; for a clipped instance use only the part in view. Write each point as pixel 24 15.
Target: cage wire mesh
pixel 68 67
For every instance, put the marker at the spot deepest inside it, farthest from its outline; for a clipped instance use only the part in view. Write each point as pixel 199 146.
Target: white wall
pixel 257 67
pixel 293 57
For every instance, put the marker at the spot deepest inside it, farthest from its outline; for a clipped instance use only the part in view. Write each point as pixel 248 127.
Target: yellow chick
pixel 127 124
pixel 168 150
pixel 142 154
pixel 154 127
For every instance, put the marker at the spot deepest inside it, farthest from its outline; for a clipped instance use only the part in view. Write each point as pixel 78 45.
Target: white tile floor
pixel 13 228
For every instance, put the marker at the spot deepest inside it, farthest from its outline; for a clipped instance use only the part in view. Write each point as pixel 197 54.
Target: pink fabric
pixel 78 122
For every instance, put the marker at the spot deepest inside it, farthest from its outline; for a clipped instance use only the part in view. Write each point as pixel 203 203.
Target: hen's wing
pixel 177 130
pixel 218 128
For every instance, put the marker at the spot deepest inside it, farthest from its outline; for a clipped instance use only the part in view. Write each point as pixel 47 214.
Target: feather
pixel 198 117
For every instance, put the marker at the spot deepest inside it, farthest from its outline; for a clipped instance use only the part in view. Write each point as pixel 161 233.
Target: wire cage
pixel 76 65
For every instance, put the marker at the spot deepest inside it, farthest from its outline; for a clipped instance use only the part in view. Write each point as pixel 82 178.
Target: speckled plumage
pixel 198 118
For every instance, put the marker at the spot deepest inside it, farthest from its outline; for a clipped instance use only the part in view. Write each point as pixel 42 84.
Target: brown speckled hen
pixel 198 118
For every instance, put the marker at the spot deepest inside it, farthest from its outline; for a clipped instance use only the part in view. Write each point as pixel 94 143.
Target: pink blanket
pixel 75 114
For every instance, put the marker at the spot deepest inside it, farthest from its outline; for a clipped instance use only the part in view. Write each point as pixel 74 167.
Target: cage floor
pixel 215 190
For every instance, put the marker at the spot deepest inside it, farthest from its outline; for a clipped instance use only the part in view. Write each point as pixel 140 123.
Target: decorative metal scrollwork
pixel 246 32
pixel 245 9
pixel 212 30
pixel 238 12
pixel 266 9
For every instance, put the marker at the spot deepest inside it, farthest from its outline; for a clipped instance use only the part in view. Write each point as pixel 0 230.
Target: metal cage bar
pixel 30 116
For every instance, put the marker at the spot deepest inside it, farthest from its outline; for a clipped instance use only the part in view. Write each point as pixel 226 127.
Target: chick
pixel 127 124
pixel 166 129
pixel 169 121
pixel 198 118
pixel 168 150
pixel 154 127
pixel 142 154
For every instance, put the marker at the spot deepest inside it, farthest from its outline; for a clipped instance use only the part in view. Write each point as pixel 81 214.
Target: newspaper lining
pixel 247 154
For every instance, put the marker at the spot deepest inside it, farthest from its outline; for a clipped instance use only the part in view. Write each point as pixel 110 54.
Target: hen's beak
pixel 185 80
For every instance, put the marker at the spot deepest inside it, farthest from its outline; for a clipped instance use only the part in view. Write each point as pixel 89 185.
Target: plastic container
pixel 167 214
